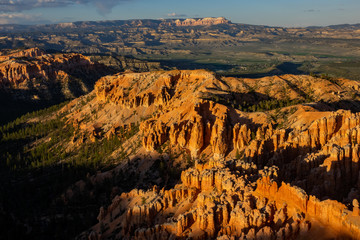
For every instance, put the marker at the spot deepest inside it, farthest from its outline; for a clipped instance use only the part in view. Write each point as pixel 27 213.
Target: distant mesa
pixel 208 21
pixel 202 21
pixel 66 25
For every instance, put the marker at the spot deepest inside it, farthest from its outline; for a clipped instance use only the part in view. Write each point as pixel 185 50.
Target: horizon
pixel 183 18
pixel 261 12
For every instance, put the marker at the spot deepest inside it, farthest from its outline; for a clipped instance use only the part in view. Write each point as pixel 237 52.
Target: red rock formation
pixel 154 134
pixel 242 136
pixel 329 212
pixel 46 68
pixel 206 124
pixel 205 206
pixel 34 72
pixel 28 53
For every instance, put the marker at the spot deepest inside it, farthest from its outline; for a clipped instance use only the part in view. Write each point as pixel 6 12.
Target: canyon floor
pixel 187 154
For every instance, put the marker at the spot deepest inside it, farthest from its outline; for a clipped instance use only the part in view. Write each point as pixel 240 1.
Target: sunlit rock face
pixel 31 72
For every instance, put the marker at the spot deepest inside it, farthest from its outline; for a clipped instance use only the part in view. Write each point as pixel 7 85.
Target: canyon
pixel 288 172
pixel 179 128
pixel 175 154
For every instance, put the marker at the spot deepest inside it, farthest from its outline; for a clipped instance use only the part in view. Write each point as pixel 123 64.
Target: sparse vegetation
pixel 256 105
pixel 33 157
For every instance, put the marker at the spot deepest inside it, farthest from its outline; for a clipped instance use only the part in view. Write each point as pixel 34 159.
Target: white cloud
pixel 175 15
pixel 103 6
pixel 18 18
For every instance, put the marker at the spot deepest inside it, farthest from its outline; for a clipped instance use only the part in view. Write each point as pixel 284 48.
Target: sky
pixel 287 13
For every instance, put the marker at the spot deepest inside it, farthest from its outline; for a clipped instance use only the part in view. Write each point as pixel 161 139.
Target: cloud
pixel 19 18
pixel 312 10
pixel 20 5
pixel 175 15
pixel 103 6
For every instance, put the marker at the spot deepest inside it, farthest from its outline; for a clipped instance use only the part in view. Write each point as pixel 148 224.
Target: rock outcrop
pixel 27 53
pixel 31 74
pixel 205 205
pixel 331 213
pixel 200 123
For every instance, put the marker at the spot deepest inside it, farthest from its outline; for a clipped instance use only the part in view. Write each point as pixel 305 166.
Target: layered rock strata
pixel 34 75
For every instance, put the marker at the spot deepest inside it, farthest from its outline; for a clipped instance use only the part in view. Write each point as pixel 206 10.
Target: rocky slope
pixel 121 63
pixel 27 53
pixel 285 166
pixel 191 154
pixel 34 75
